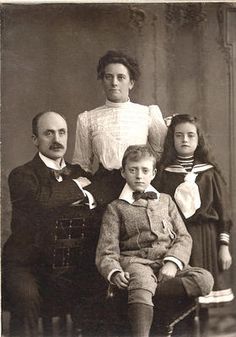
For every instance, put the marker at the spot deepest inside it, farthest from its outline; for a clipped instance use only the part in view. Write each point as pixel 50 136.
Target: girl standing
pixel 189 174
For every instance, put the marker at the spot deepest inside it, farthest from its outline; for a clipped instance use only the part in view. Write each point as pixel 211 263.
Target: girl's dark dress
pixel 206 225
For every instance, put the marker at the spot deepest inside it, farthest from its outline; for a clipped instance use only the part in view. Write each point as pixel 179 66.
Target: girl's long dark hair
pixel 202 152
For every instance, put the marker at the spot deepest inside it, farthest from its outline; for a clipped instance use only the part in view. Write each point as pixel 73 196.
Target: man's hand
pixel 120 279
pixel 83 181
pixel 167 272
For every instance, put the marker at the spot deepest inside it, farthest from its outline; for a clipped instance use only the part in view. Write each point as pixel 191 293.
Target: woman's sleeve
pixel 83 143
pixel 222 204
pixel 157 130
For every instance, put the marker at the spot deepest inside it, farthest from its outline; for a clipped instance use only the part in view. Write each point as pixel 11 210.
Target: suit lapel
pixel 41 170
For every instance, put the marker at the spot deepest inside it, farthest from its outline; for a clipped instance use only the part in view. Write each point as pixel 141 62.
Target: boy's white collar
pixel 127 193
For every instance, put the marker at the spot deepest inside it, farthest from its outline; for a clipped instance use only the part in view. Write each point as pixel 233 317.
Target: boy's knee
pixel 142 277
pixel 199 282
pixel 205 281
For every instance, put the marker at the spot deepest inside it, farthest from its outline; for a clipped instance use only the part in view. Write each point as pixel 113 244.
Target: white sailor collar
pixel 197 168
pixel 127 193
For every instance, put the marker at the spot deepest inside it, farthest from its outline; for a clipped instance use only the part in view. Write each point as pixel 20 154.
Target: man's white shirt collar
pixel 50 163
pixel 127 193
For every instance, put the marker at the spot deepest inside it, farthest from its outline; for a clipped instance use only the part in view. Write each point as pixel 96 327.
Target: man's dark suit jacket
pixel 37 199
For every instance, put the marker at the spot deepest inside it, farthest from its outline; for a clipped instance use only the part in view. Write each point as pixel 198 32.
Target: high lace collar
pixel 117 105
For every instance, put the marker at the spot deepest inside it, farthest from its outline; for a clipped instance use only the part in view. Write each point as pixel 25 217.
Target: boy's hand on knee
pixel 120 279
pixel 167 272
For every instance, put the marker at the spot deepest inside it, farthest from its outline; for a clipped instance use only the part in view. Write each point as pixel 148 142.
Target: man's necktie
pixel 65 171
pixel 144 195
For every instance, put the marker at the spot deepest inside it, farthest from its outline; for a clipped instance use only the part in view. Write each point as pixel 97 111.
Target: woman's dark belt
pixel 102 171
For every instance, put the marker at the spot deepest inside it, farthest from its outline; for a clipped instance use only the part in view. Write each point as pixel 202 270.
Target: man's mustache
pixel 56 145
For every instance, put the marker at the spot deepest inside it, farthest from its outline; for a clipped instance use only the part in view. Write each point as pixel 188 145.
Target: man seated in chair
pixel 42 191
pixel 144 246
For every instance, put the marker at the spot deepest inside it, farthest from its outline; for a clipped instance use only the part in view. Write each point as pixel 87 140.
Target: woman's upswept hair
pixel 202 152
pixel 116 56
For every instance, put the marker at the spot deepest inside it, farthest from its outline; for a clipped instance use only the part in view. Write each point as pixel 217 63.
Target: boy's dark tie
pixel 144 195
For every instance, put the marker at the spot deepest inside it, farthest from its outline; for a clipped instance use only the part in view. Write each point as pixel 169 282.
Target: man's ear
pixel 35 140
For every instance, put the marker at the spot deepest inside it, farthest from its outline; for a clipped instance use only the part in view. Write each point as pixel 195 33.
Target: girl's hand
pixel 225 259
pixel 167 272
pixel 120 279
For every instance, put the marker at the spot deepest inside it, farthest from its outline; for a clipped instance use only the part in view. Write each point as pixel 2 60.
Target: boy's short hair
pixel 137 152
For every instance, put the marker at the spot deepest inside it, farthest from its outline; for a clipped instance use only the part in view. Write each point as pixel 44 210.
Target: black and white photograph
pixel 118 170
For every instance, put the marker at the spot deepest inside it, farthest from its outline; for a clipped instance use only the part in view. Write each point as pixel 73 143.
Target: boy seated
pixel 144 246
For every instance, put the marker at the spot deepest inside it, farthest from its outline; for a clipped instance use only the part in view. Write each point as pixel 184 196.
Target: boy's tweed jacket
pixel 146 231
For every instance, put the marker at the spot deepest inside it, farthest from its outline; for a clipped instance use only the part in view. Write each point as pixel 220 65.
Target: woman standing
pixel 104 133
